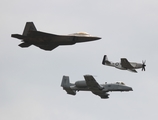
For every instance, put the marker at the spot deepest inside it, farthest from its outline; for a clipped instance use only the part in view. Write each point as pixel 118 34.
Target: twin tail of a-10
pixel 47 41
pixel 90 84
pixel 124 64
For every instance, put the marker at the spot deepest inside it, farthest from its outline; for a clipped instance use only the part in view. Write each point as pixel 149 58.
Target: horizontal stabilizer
pixel 24 45
pixel 18 36
pixel 66 85
pixel 106 96
pixel 70 91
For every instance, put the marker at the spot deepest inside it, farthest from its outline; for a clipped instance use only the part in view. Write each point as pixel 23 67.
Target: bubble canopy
pixel 80 34
pixel 121 83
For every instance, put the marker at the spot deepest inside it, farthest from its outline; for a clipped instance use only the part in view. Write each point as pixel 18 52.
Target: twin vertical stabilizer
pixel 29 27
pixel 66 85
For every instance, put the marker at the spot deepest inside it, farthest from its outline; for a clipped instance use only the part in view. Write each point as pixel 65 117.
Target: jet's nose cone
pixel 97 38
pixel 130 89
pixel 126 88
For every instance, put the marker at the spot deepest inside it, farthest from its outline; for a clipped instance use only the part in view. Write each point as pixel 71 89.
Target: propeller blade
pixel 143 65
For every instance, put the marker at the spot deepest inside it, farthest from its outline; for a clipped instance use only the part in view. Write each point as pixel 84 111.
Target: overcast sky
pixel 30 77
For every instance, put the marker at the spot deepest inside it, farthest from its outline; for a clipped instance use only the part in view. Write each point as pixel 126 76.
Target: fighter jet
pixel 124 64
pixel 90 84
pixel 47 41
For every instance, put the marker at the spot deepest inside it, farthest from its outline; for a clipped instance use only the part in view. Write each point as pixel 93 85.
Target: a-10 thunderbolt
pixel 47 41
pixel 124 64
pixel 90 84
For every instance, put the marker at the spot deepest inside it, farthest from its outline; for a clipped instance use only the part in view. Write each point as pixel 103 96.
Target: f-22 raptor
pixel 90 84
pixel 47 41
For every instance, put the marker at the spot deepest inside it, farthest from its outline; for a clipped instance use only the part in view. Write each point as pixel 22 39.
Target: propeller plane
pixel 124 64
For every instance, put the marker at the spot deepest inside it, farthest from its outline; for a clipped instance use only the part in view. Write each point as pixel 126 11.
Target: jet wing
pixel 94 87
pixel 48 35
pixel 40 34
pixel 91 82
pixel 47 47
pixel 57 39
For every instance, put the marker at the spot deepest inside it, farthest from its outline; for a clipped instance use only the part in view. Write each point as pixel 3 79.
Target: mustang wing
pixel 132 70
pixel 126 64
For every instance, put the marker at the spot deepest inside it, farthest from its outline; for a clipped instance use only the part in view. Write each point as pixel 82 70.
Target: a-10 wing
pixel 91 82
pixel 95 87
pixel 125 63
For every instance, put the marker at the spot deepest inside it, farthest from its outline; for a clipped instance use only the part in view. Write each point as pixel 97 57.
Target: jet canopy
pixel 120 83
pixel 80 34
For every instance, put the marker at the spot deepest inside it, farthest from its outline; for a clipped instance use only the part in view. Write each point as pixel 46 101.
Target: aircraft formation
pixel 48 42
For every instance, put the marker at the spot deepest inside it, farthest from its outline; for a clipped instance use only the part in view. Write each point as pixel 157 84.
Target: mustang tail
pixel 67 85
pixel 105 60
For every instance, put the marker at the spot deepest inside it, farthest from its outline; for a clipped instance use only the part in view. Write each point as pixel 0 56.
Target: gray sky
pixel 30 78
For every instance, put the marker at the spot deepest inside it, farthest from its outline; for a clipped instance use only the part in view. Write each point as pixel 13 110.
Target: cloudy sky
pixel 30 77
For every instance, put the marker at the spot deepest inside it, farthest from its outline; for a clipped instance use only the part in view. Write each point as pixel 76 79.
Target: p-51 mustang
pixel 124 64
pixel 47 41
pixel 90 84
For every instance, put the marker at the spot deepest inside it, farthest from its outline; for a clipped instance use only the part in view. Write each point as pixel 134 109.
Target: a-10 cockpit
pixel 120 83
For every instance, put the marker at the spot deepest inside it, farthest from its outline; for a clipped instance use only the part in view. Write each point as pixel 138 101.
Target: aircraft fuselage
pixel 119 66
pixel 82 86
pixel 60 41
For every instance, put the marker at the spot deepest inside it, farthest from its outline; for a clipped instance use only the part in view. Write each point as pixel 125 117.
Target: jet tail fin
pixel 105 60
pixel 66 85
pixel 29 27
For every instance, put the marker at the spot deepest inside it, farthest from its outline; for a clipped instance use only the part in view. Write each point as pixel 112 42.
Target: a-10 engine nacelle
pixel 81 84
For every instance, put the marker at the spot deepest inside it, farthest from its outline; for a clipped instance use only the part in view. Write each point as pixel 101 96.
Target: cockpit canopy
pixel 120 83
pixel 80 34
